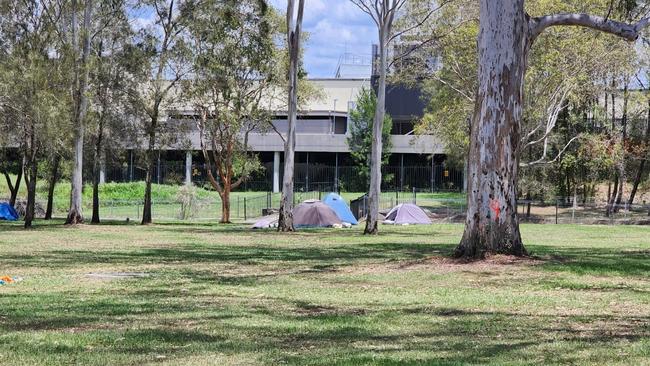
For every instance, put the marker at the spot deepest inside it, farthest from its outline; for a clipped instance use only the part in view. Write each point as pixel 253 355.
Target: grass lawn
pixel 226 295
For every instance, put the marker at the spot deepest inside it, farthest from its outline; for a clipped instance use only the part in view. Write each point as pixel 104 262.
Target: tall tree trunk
pixel 75 214
pixel 621 165
pixel 31 193
pixel 492 224
pixel 54 177
pixel 374 191
pixel 96 170
pixel 30 166
pixel 150 156
pixel 96 166
pixel 294 26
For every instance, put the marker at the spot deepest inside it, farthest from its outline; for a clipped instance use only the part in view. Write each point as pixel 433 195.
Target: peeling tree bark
pixel 506 35
pixel 75 214
pixel 294 26
pixel 492 224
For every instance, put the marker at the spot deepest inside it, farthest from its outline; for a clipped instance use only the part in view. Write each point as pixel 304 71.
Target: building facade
pixel 323 160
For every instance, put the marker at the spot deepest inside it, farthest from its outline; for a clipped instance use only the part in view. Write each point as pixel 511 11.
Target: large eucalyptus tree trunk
pixel 374 191
pixel 492 224
pixel 294 26
pixel 75 214
pixel 506 35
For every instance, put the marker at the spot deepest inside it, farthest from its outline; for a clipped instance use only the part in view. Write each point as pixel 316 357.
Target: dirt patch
pixel 306 309
pixel 108 276
pixel 491 262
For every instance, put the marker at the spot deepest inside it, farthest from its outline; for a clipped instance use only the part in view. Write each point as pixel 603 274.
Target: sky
pixel 335 27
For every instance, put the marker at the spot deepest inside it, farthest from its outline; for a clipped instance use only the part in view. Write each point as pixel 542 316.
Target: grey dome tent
pixel 405 214
pixel 314 213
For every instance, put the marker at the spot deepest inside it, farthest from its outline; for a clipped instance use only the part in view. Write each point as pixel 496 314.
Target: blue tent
pixel 8 213
pixel 338 204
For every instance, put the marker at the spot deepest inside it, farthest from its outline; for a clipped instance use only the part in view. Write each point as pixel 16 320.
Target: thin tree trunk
pixel 492 225
pixel 621 164
pixel 294 26
pixel 95 219
pixel 54 177
pixel 150 156
pixel 31 194
pixel 374 191
pixel 30 166
pixel 644 159
pixel 225 204
pixel 75 214
pixel 13 188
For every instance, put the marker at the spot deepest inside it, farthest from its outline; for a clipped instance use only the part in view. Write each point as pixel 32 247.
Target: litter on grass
pixel 5 280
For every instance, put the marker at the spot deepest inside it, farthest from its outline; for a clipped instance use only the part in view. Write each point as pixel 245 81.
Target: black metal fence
pixel 307 177
pixel 246 206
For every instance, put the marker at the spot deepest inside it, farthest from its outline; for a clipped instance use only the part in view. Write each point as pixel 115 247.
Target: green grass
pixel 227 295
pixel 134 191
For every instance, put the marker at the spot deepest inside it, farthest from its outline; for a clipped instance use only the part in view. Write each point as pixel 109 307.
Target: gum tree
pixel 294 28
pixel 506 35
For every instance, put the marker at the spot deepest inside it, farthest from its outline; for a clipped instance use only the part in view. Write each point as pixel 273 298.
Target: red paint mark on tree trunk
pixel 496 207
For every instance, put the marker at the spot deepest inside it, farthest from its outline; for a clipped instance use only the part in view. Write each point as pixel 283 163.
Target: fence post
pixel 556 204
pixel 396 196
pixel 245 218
pixel 415 196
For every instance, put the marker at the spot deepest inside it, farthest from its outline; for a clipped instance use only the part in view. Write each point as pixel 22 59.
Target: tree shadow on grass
pixel 155 318
pixel 594 261
pixel 227 254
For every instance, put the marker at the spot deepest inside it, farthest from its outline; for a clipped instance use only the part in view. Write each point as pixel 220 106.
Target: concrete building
pixel 323 159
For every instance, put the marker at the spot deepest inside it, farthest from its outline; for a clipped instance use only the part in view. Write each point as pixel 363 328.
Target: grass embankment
pixel 227 295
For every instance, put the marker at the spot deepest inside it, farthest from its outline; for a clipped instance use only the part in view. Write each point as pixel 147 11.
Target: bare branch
pixel 623 30
pixel 542 160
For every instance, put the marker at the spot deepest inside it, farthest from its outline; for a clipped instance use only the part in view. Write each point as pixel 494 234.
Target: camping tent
pixel 266 222
pixel 407 213
pixel 8 213
pixel 340 207
pixel 314 213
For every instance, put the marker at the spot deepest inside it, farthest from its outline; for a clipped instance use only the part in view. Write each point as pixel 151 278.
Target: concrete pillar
pixel 276 172
pixel 130 165
pixel 401 172
pixel 336 172
pixel 158 169
pixel 188 167
pixel 102 168
pixel 465 177
pixel 433 182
